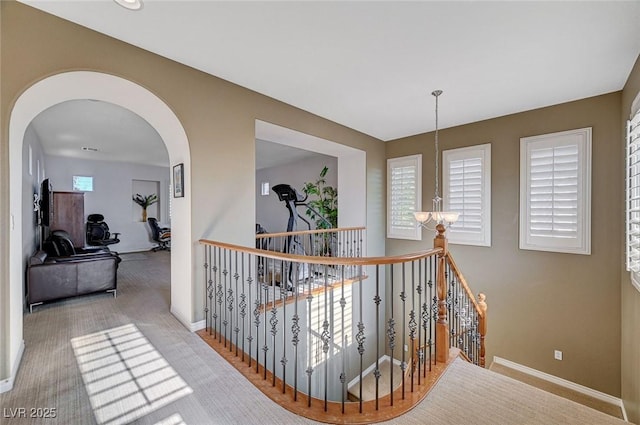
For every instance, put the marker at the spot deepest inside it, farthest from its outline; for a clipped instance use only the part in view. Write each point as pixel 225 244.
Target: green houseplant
pixel 324 210
pixel 326 203
pixel 145 202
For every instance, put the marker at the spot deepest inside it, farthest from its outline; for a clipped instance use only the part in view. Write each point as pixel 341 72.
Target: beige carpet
pixel 467 394
pixel 594 403
pixel 51 373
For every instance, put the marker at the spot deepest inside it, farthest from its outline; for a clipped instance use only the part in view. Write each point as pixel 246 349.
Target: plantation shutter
pixel 404 190
pixel 556 192
pixel 633 194
pixel 553 196
pixel 467 191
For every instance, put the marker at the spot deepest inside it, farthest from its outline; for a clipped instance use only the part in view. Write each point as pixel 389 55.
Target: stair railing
pixel 305 329
pixel 341 242
pixel 461 318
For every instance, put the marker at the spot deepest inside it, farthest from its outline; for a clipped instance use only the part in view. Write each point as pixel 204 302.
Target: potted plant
pixel 145 202
pixel 326 205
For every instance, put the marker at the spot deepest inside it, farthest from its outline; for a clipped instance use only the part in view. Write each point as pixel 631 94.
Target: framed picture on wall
pixel 178 180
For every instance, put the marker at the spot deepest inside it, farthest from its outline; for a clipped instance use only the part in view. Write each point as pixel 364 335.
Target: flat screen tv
pixel 46 203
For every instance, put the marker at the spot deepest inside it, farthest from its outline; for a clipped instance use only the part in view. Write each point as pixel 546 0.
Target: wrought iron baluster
pixel 236 276
pixel 435 310
pixel 256 321
pixel 360 337
pixel 229 301
pixel 412 320
pixel 273 321
pixel 377 300
pixel 283 359
pixel 421 349
pixel 309 370
pixel 207 249
pixel 243 304
pixel 391 335
pixel 403 298
pixel 219 295
pixel 326 336
pixel 265 304
pixel 249 291
pixel 225 273
pixel 295 331
pixel 343 304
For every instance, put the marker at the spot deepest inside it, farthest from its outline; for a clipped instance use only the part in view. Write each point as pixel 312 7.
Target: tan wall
pixel 630 295
pixel 4 224
pixel 218 117
pixel 541 301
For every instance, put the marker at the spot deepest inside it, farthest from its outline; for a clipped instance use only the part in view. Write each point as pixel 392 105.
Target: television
pixel 46 203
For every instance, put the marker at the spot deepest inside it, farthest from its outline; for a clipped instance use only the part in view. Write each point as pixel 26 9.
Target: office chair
pixel 161 235
pixel 98 233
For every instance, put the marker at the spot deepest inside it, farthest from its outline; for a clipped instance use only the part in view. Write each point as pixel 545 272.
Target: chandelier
pixel 436 216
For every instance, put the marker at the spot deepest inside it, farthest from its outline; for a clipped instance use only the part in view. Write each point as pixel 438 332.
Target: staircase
pixel 317 333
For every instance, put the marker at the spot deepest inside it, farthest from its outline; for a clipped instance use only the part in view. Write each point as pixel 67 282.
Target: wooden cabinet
pixel 68 214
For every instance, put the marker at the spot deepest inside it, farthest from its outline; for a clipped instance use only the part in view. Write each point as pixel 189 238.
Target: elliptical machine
pixel 293 199
pixel 293 245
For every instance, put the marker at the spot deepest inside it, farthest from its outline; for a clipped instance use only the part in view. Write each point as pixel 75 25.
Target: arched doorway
pixel 119 91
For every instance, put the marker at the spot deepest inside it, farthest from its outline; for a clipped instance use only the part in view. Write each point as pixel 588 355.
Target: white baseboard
pixel 7 384
pixel 196 326
pixel 563 383
pixel 192 326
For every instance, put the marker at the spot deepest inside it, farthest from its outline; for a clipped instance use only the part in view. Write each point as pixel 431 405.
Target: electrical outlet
pixel 557 354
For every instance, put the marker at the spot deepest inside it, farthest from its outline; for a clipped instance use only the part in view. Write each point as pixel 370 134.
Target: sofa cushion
pixel 50 282
pixel 38 258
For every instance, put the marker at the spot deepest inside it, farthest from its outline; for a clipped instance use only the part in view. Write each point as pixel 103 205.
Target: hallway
pixel 204 388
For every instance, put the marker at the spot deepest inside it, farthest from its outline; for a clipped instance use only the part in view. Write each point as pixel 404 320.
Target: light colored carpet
pixel 594 403
pixel 467 394
pixel 134 256
pixel 50 375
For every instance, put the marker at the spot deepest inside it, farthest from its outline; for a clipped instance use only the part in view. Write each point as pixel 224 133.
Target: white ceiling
pixel 371 66
pixel 117 133
pixel 269 154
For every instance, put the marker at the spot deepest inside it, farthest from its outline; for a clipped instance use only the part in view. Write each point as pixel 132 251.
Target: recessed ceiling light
pixel 90 149
pixel 130 4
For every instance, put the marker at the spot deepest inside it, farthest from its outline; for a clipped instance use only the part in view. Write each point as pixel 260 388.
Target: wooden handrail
pixel 480 306
pixel 307 232
pixel 330 261
pixel 241 294
pixel 463 283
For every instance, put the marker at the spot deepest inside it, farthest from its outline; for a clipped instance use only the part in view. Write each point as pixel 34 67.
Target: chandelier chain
pixel 437 147
pixel 437 93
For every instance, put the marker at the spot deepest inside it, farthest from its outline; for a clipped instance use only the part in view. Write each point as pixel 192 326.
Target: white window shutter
pixel 555 192
pixel 404 196
pixel 467 190
pixel 633 194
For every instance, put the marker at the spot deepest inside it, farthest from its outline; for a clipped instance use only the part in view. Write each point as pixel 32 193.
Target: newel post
pixel 442 324
pixel 482 324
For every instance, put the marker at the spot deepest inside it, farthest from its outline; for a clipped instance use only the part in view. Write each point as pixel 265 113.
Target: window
pixel 466 178
pixel 633 198
pixel 555 192
pixel 404 196
pixel 83 183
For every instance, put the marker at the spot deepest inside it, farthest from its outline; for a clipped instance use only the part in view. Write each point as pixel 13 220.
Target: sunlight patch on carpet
pixel 174 419
pixel 125 377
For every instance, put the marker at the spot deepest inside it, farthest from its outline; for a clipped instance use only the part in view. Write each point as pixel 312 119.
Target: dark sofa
pixel 52 278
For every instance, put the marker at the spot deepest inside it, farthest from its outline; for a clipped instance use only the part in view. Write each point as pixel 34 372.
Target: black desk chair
pixel 161 235
pixel 98 233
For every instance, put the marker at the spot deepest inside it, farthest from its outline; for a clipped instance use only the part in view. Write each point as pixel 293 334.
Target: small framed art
pixel 178 180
